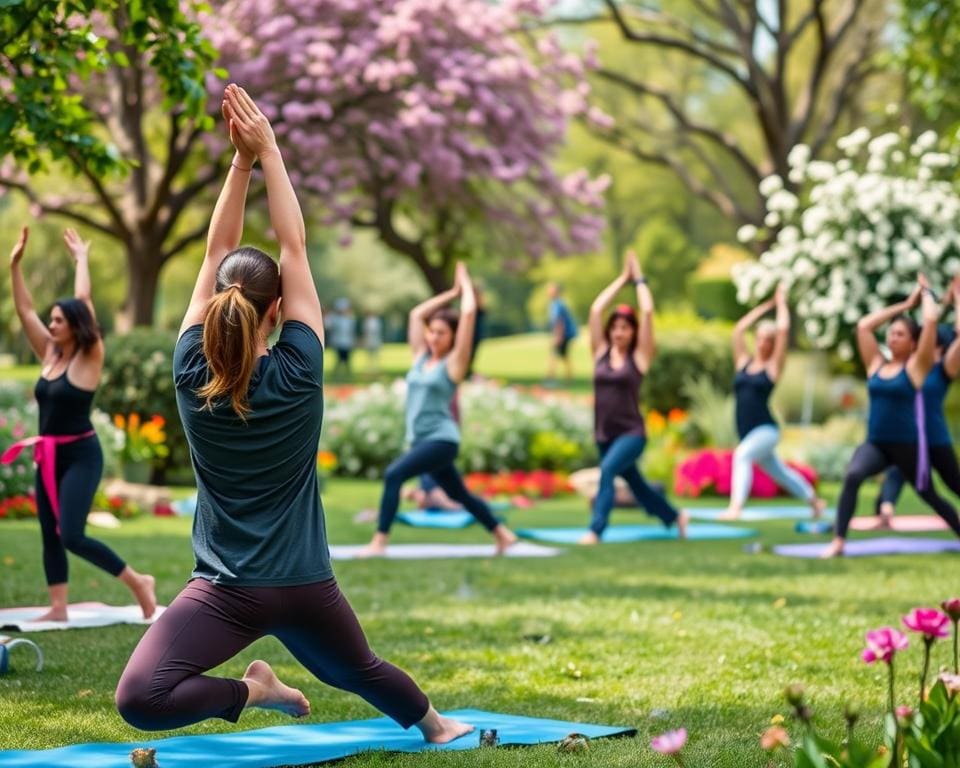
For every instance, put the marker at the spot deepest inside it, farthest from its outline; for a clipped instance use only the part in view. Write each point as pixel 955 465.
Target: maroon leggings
pixel 163 685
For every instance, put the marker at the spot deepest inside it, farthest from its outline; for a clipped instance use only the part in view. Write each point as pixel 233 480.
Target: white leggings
pixel 758 448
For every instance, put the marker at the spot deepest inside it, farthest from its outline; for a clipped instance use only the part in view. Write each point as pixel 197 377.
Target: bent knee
pixel 137 705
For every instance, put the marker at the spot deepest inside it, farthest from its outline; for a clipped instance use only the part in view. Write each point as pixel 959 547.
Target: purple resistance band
pixel 923 450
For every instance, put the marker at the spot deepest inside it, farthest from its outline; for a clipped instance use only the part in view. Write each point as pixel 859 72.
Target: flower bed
pixel 710 471
pixel 539 484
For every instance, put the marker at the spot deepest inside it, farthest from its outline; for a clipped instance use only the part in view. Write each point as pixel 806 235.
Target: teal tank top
pixel 429 392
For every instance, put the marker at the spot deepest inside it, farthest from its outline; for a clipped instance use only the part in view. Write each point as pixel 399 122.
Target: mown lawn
pixel 702 635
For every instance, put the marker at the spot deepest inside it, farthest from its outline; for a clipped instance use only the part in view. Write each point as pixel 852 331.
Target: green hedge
pixel 685 355
pixel 138 378
pixel 715 298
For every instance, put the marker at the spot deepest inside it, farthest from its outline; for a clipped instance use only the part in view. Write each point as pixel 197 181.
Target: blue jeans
pixel 434 457
pixel 619 457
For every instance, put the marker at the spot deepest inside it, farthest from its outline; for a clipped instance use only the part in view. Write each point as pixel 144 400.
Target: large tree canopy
pixel 46 44
pixel 433 122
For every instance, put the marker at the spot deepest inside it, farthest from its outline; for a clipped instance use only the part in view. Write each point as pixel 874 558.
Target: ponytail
pixel 230 329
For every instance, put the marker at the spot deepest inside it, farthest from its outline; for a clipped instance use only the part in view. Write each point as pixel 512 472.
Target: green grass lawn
pixel 702 635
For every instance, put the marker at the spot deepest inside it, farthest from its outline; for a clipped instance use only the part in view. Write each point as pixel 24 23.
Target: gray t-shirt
pixel 429 392
pixel 259 520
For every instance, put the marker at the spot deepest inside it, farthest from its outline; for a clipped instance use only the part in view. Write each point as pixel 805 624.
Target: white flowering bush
pixel 857 232
pixel 504 429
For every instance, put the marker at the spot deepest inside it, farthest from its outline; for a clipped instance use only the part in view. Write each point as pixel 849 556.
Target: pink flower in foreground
pixel 928 621
pixel 882 644
pixel 670 743
pixel 952 608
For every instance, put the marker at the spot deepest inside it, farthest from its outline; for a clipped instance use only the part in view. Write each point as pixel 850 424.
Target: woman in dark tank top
pixel 623 349
pixel 68 454
pixel 896 423
pixel 753 384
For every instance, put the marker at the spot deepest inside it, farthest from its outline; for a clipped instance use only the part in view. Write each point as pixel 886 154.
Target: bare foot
pixel 834 550
pixel 589 539
pixel 54 614
pixel 886 515
pixel 504 538
pixel 817 507
pixel 145 592
pixel 683 520
pixel 376 548
pixel 267 692
pixel 438 729
pixel 730 514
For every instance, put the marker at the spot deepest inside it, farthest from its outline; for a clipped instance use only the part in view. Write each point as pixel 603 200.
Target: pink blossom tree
pixel 433 122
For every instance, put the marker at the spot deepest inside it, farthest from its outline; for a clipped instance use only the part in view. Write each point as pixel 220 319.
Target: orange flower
pixel 655 421
pixel 158 420
pixel 677 416
pixel 134 421
pixel 326 460
pixel 118 421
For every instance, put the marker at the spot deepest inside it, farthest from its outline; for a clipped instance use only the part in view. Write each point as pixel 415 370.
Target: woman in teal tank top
pixel 441 343
pixel 252 414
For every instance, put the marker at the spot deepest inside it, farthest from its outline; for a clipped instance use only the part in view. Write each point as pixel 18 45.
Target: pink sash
pixel 45 457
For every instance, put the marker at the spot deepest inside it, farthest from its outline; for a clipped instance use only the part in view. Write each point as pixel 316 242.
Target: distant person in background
pixel 373 339
pixel 343 334
pixel 563 330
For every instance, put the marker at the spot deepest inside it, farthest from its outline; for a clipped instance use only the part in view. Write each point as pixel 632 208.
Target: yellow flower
pixel 655 421
pixel 776 719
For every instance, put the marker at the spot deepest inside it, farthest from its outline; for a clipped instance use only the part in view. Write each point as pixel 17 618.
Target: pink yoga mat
pixel 906 523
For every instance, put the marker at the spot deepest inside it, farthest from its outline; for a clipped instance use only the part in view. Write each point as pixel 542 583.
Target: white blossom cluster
pixel 860 230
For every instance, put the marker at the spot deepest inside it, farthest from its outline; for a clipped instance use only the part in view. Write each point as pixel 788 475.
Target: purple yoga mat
pixel 889 545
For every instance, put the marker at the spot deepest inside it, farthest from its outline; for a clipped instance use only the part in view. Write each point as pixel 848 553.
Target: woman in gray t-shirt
pixel 441 343
pixel 252 415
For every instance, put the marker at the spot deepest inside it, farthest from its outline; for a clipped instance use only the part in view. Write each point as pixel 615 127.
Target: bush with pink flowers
pixel 710 472
pixel 923 736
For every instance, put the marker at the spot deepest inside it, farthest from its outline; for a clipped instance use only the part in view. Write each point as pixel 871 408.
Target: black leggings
pixel 79 468
pixel 163 685
pixel 434 457
pixel 943 459
pixel 872 458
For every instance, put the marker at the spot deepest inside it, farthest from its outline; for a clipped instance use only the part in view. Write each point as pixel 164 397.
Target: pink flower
pixel 882 644
pixel 904 714
pixel 928 621
pixel 670 743
pixel 952 608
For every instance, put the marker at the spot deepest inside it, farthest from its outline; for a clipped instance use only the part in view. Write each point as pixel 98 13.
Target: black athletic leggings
pixel 943 459
pixel 79 468
pixel 434 457
pixel 163 685
pixel 872 458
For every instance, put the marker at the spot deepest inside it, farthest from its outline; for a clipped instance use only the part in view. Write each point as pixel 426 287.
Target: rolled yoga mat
pixel 80 616
pixel 444 551
pixel 889 545
pixel 617 534
pixel 306 744
pixel 758 514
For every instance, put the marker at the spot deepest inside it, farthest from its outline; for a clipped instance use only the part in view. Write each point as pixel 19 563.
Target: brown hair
pixel 446 315
pixel 622 312
pixel 248 281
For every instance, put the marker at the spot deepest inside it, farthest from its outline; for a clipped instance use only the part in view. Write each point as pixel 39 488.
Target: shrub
pixel 711 412
pixel 17 479
pixel 138 378
pixel 715 298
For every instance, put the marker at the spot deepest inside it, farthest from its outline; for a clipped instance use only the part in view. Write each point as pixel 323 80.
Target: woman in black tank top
pixel 69 459
pixel 756 376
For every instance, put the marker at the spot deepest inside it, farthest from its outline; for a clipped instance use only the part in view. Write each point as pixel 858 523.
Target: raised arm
pixel 599 306
pixel 458 362
pixel 37 333
pixel 782 339
pixel 921 362
pixel 951 356
pixel 300 299
pixel 646 346
pixel 82 289
pixel 866 330
pixel 744 324
pixel 226 223
pixel 419 314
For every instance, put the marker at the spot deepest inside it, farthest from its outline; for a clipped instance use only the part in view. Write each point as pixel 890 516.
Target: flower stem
pixel 927 642
pixel 892 701
pixel 956 655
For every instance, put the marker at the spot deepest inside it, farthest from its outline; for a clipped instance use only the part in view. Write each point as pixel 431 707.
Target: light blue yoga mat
pixel 758 514
pixel 445 518
pixel 616 534
pixel 304 744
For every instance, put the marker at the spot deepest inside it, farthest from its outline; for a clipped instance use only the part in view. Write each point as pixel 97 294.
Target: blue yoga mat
pixel 621 533
pixel 888 545
pixel 814 526
pixel 445 518
pixel 304 744
pixel 757 514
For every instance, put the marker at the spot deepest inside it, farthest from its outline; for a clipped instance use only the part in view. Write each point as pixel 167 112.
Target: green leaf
pixel 121 59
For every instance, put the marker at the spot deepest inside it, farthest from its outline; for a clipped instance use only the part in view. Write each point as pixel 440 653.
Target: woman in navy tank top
pixel 622 351
pixel 68 454
pixel 896 425
pixel 753 384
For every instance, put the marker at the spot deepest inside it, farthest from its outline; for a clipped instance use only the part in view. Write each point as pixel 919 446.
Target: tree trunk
pixel 143 268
